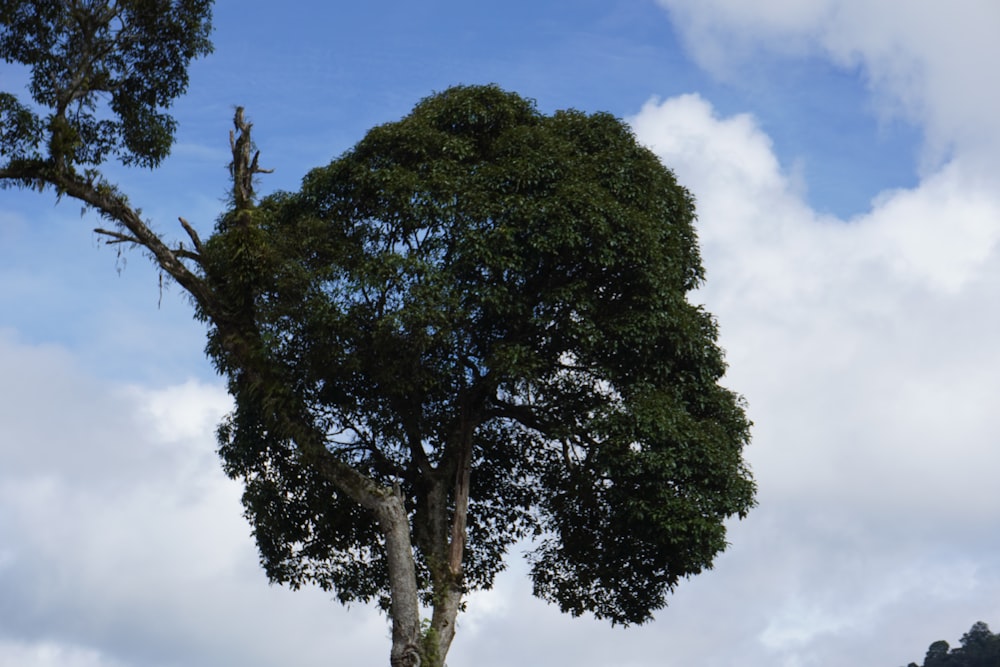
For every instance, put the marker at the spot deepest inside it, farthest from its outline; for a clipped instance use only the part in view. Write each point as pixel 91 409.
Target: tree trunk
pixel 443 620
pixel 449 584
pixel 404 608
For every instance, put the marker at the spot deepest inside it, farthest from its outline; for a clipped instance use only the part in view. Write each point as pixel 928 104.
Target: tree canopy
pixel 482 304
pixel 471 329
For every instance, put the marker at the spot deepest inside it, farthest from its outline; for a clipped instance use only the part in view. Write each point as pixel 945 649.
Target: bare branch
pixel 184 253
pixel 116 237
pixel 254 169
pixel 243 168
pixel 195 239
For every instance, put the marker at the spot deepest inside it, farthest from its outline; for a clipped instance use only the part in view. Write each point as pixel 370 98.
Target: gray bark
pixel 405 604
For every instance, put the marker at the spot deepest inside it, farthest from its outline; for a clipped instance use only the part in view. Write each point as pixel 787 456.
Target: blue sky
pixel 843 155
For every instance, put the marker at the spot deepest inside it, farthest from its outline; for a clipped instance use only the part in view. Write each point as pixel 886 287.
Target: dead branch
pixel 116 237
pixel 243 168
pixel 195 239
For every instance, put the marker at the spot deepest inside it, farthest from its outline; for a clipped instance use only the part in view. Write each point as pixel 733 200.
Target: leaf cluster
pixel 102 75
pixel 481 268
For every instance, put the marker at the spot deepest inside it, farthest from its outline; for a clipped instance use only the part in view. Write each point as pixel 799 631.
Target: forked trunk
pixel 449 585
pixel 411 646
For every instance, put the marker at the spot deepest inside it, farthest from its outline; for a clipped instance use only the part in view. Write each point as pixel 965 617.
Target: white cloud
pixel 121 541
pixel 865 348
pixel 945 231
pixel 48 654
pixel 877 319
pixel 184 412
pixel 930 62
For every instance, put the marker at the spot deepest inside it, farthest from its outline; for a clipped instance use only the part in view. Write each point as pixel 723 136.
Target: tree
pixel 469 330
pixel 937 655
pixel 477 319
pixel 979 648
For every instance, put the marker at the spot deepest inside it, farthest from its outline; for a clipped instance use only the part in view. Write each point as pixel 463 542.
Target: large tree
pixel 472 329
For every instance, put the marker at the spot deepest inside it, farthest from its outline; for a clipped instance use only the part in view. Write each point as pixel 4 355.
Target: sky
pixel 844 155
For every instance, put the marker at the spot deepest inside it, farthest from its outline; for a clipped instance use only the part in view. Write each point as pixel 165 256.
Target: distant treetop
pixel 980 648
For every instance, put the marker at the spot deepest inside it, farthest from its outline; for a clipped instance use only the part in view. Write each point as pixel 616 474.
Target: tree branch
pixel 195 239
pixel 116 237
pixel 243 168
pixel 112 205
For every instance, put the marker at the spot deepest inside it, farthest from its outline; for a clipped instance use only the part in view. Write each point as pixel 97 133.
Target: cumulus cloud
pixel 121 541
pixel 865 349
pixel 926 61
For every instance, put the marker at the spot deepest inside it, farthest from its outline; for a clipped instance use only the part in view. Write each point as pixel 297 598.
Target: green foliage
pixel 479 267
pixel 478 316
pixel 102 75
pixel 979 648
